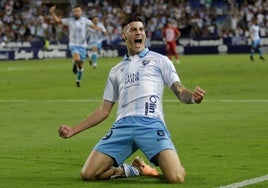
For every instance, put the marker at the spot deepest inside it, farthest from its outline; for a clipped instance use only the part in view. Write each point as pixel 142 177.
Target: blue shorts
pixel 256 43
pixel 132 133
pixel 95 44
pixel 82 51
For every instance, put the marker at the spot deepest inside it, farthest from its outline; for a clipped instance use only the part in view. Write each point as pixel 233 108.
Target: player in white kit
pixel 78 27
pixel 137 84
pixel 96 37
pixel 255 40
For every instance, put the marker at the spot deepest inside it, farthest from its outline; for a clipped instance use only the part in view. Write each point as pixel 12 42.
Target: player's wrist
pixel 193 101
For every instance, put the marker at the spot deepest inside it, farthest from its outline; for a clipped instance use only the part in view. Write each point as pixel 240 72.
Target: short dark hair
pixel 132 18
pixel 93 16
pixel 77 6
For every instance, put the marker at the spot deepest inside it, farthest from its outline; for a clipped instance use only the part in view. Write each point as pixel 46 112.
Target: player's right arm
pixel 53 14
pixel 100 114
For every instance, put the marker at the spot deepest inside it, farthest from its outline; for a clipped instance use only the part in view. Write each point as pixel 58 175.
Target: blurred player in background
pixel 96 37
pixel 137 83
pixel 254 32
pixel 170 35
pixel 78 27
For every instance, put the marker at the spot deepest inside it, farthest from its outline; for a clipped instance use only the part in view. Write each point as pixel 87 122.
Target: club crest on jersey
pixel 145 62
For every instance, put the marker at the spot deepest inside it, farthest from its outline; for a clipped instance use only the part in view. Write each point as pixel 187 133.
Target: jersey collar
pixel 141 54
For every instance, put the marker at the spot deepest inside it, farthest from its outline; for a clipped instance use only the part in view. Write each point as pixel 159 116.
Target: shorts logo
pixel 108 135
pixel 160 133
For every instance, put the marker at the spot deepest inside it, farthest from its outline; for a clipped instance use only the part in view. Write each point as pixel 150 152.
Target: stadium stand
pixel 26 20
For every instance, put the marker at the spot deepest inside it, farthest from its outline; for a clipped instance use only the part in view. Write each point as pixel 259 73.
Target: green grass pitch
pixel 220 142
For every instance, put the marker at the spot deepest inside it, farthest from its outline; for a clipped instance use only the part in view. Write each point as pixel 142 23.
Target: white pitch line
pixel 74 100
pixel 244 100
pixel 99 100
pixel 169 100
pixel 227 100
pixel 13 101
pixel 247 182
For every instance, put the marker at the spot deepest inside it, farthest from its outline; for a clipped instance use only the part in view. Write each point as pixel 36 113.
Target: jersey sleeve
pixel 65 21
pixel 169 72
pixel 103 28
pixel 89 23
pixel 111 89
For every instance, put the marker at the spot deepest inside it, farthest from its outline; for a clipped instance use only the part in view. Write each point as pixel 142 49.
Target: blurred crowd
pixel 29 20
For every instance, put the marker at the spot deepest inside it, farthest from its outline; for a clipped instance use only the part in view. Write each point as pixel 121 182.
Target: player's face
pixel 95 20
pixel 134 35
pixel 77 12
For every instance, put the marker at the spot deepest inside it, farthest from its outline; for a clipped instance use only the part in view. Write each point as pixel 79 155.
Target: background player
pixel 137 83
pixel 78 27
pixel 170 35
pixel 95 40
pixel 255 39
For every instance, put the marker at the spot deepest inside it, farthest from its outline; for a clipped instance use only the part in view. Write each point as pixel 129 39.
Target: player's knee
pixel 177 177
pixel 76 58
pixel 85 176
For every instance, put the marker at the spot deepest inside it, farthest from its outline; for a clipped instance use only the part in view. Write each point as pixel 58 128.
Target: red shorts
pixel 171 47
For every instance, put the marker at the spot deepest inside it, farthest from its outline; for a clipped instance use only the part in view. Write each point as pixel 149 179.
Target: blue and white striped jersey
pixel 77 30
pixel 137 83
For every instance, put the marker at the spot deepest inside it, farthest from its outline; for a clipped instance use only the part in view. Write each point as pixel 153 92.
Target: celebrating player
pixel 170 35
pixel 255 39
pixel 95 40
pixel 78 27
pixel 137 83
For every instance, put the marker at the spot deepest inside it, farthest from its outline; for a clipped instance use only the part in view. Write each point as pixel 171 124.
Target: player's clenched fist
pixel 65 131
pixel 52 9
pixel 198 94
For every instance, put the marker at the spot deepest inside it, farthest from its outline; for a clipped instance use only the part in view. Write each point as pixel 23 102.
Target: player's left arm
pixel 178 34
pixel 56 18
pixel 185 95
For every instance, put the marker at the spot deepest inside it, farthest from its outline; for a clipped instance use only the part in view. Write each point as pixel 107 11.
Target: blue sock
pixel 79 74
pixel 252 51
pixel 260 52
pixel 94 58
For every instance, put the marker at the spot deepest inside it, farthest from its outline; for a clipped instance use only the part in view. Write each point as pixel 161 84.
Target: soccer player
pixel 170 35
pixel 95 41
pixel 78 27
pixel 137 83
pixel 255 39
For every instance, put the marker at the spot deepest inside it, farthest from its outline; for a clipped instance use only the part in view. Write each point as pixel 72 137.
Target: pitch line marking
pixel 246 182
pixel 99 100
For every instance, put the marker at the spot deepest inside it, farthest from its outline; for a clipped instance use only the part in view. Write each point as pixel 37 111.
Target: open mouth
pixel 138 41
